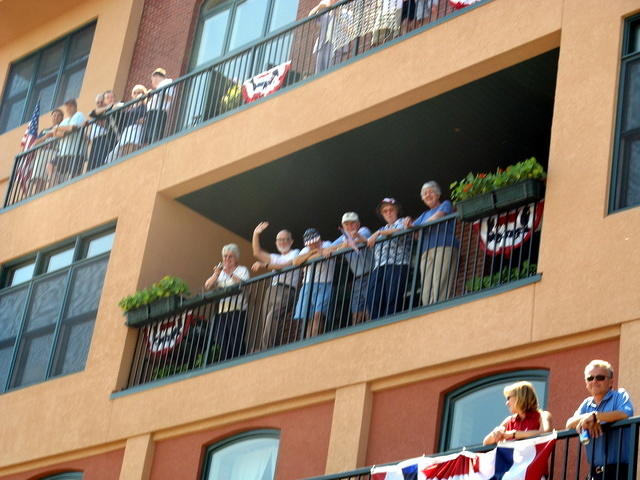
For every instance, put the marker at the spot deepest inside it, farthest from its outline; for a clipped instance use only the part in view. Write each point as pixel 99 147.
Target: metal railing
pixel 568 460
pixel 410 270
pixel 344 31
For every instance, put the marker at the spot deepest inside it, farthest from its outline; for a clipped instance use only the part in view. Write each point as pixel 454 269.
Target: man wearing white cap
pixel 158 105
pixel 315 296
pixel 360 263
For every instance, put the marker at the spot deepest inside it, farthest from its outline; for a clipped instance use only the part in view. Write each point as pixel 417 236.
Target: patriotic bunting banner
pixel 521 460
pixel 458 4
pixel 265 83
pixel 501 234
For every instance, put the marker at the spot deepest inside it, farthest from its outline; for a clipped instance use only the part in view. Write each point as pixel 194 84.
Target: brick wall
pixel 164 40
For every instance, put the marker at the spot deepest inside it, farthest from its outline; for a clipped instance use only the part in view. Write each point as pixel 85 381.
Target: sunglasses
pixel 599 378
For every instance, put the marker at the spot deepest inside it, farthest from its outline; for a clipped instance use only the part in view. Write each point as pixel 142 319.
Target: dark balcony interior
pixel 495 121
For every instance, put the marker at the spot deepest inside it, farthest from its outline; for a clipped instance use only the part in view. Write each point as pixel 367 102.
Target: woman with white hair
pixel 229 322
pixel 439 248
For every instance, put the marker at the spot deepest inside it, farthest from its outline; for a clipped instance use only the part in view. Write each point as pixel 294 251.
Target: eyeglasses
pixel 599 378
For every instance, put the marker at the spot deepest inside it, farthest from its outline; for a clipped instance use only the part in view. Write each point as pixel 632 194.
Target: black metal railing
pixel 568 460
pixel 407 271
pixel 344 31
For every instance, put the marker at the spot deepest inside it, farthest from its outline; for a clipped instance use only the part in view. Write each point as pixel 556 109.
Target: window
pixel 52 75
pixel 48 306
pixel 65 476
pixel 249 456
pixel 472 411
pixel 225 26
pixel 626 162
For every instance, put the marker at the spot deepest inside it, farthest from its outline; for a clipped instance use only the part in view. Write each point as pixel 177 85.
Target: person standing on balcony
pixel 315 296
pixel 158 106
pixel 275 325
pixel 323 46
pixel 388 283
pixel 229 322
pixel 129 121
pixel 100 132
pixel 439 249
pixel 72 147
pixel 38 180
pixel 526 420
pixel 605 405
pixel 360 262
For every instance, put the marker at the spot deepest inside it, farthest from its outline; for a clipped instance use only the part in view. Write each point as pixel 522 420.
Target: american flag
pixel 31 133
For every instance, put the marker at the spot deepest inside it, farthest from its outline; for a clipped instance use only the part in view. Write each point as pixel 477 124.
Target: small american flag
pixel 31 133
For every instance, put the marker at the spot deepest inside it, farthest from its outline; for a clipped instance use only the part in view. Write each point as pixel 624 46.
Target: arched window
pixel 248 456
pixel 473 410
pixel 227 25
pixel 65 476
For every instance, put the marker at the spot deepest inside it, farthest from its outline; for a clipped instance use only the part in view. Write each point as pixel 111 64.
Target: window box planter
pixel 477 207
pixel 518 194
pixel 163 306
pixel 138 316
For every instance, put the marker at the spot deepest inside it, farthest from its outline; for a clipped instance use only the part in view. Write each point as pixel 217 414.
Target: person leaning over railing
pixel 129 122
pixel 72 146
pixel 439 249
pixel 40 170
pixel 604 406
pixel 527 419
pixel 360 262
pixel 158 106
pixel 276 326
pixel 315 295
pixel 391 262
pixel 229 322
pixel 100 131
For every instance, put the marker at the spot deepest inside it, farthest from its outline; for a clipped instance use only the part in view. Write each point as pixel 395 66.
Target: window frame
pixel 446 422
pixel 210 450
pixel 79 243
pixel 76 475
pixel 619 165
pixel 232 6
pixel 62 69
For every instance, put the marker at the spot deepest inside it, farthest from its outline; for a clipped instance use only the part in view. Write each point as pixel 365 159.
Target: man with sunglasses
pixel 607 450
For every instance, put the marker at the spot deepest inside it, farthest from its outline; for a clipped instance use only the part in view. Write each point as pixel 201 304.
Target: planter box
pixel 138 316
pixel 476 207
pixel 162 307
pixel 518 194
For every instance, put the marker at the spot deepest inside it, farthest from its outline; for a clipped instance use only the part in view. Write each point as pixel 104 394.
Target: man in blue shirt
pixel 605 406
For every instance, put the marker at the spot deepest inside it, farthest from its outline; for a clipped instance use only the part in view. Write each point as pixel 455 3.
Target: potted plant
pixel 483 194
pixel 153 302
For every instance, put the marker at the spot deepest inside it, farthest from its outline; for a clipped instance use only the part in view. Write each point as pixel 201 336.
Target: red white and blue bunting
pixel 265 83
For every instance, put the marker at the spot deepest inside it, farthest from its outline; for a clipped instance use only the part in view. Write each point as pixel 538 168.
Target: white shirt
pixel 289 278
pixel 165 96
pixel 234 302
pixel 322 270
pixel 73 143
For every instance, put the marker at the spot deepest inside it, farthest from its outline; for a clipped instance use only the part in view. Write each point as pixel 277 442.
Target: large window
pixel 48 306
pixel 226 25
pixel 473 410
pixel 626 163
pixel 52 75
pixel 249 456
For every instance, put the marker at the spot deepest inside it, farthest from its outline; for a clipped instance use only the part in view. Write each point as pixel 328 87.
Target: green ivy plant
pixel 478 183
pixel 507 274
pixel 166 287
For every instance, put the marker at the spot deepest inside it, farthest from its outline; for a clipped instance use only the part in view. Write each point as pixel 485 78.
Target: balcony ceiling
pixel 18 17
pixel 494 121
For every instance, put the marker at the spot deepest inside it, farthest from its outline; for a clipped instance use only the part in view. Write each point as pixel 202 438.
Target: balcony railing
pixel 347 30
pixel 568 461
pixel 408 271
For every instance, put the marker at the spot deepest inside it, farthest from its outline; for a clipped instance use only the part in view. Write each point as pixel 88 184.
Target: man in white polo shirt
pixel 277 306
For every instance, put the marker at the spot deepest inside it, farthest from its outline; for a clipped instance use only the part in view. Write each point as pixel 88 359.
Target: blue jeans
pixel 387 288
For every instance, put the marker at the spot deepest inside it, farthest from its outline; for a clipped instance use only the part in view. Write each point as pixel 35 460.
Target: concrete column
pixel 349 428
pixel 628 372
pixel 138 456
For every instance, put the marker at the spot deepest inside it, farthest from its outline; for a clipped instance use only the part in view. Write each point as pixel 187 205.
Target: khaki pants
pixel 438 267
pixel 277 308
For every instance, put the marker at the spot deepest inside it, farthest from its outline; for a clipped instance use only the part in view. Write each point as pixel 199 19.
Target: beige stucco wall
pixel 588 291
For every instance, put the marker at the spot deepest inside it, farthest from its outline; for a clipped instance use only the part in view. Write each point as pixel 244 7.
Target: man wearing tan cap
pixel 158 105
